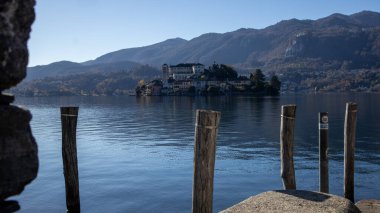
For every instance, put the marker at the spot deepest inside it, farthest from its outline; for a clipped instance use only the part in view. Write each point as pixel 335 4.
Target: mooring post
pixel 288 115
pixel 69 117
pixel 206 130
pixel 349 149
pixel 323 152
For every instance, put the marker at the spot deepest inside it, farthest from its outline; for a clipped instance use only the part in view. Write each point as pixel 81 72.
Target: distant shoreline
pixel 281 94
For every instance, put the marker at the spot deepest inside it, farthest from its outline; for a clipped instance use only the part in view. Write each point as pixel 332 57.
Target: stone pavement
pixel 294 201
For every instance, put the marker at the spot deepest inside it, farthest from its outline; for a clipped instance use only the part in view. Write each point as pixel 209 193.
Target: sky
pixel 81 30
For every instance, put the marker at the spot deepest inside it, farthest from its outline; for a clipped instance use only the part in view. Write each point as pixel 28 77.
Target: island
pixel 193 79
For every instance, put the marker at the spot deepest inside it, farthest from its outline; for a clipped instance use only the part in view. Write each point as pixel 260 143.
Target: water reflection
pixel 141 149
pixel 247 122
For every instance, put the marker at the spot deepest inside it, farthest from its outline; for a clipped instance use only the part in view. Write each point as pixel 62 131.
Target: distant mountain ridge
pixel 327 38
pixel 89 83
pixel 304 53
pixel 153 52
pixel 65 68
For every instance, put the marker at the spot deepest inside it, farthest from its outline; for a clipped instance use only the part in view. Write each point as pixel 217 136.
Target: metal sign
pixel 323 120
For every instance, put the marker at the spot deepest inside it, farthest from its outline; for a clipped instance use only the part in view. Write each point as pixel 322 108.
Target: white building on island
pixel 181 71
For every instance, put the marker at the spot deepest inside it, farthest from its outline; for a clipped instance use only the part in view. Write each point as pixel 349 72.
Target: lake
pixel 136 154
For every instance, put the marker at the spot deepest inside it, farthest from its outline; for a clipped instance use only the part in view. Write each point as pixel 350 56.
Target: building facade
pixel 181 71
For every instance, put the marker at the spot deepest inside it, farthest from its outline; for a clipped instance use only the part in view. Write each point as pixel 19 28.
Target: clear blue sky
pixel 81 30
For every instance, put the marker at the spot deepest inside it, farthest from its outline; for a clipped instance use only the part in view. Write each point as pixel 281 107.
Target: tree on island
pixel 258 81
pixel 221 72
pixel 140 88
pixel 213 90
pixel 192 91
pixel 259 84
pixel 274 86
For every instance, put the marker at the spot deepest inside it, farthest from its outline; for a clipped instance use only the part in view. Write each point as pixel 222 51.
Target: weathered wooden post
pixel 349 149
pixel 288 114
pixel 323 152
pixel 69 155
pixel 206 130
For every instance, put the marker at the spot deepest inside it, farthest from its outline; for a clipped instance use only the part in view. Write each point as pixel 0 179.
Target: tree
pixel 213 90
pixel 275 82
pixel 191 90
pixel 258 81
pixel 275 86
pixel 221 72
pixel 140 88
pixel 227 72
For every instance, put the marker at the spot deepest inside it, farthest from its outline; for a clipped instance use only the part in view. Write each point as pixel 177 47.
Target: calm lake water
pixel 136 154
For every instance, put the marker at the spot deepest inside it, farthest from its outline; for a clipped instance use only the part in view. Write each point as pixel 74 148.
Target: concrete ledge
pixel 369 206
pixel 295 201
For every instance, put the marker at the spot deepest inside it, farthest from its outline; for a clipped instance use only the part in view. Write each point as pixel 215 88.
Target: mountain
pixel 65 68
pixel 367 18
pixel 333 39
pixel 52 69
pixel 335 53
pixel 153 52
pixel 94 83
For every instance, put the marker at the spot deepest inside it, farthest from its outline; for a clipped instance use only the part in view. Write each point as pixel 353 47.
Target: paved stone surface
pixel 294 201
pixel 369 206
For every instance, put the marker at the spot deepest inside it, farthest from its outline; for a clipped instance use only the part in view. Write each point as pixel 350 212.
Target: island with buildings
pixel 193 79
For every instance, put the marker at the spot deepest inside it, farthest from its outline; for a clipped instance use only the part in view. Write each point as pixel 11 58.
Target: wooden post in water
pixel 349 149
pixel 323 152
pixel 69 155
pixel 288 115
pixel 206 130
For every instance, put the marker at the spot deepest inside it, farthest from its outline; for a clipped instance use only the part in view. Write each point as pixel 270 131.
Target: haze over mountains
pixel 324 47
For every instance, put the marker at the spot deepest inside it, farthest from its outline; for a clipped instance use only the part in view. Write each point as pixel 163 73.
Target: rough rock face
pixel 16 18
pixel 18 149
pixel 294 201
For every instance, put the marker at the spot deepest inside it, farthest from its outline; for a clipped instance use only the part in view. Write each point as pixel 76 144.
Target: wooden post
pixel 323 152
pixel 288 114
pixel 206 130
pixel 69 155
pixel 349 149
